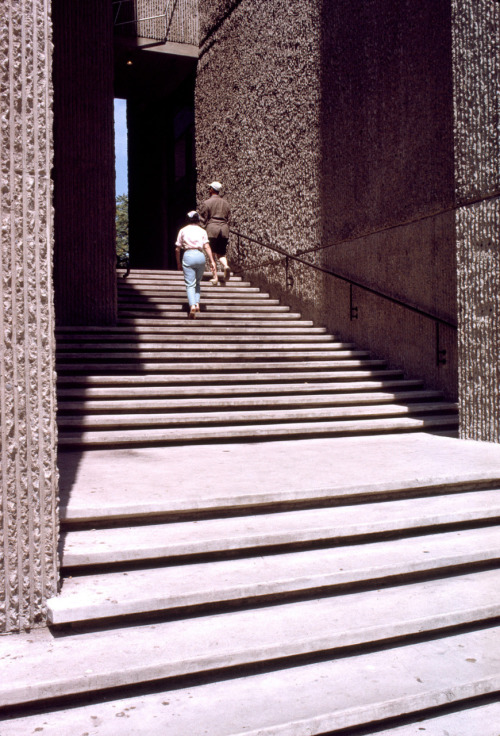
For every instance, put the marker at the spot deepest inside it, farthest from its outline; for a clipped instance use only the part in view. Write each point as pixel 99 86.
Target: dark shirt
pixel 214 216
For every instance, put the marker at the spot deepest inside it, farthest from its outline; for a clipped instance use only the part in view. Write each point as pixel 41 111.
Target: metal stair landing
pixel 247 368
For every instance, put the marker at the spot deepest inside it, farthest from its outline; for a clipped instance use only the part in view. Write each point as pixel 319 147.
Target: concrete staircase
pixel 328 583
pixel 247 368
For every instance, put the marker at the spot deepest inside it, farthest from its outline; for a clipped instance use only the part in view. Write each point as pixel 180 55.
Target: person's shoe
pixel 214 281
pixel 227 273
pixel 192 312
pixel 197 307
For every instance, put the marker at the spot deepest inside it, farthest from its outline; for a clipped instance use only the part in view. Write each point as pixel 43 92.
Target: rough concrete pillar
pixel 84 167
pixel 476 66
pixel 28 507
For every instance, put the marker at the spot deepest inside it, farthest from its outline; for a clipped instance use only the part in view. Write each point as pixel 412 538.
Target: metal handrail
pixel 440 353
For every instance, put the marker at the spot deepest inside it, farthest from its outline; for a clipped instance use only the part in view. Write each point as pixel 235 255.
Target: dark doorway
pixel 157 80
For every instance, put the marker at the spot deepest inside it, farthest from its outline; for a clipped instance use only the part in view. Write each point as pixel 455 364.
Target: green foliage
pixel 121 224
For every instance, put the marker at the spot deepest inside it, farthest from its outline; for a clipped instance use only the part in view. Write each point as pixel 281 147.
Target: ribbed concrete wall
pixel 84 167
pixel 28 505
pixel 331 128
pixel 476 64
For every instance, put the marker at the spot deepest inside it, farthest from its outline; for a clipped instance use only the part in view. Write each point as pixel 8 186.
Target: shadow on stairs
pixel 247 368
pixel 298 581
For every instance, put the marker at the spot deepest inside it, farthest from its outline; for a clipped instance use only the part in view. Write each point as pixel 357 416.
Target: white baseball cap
pixel 216 186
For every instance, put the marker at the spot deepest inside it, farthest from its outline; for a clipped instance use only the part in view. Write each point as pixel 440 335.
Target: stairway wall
pixel 476 61
pixel 28 436
pixel 334 131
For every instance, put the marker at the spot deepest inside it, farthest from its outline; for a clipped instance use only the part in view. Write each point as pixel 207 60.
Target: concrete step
pixel 228 311
pixel 164 275
pixel 255 432
pixel 205 320
pixel 308 700
pixel 107 546
pixel 284 330
pixel 210 353
pixel 222 307
pixel 226 418
pixel 283 365
pixel 276 389
pixel 206 343
pixel 174 288
pixel 467 720
pixel 159 278
pixel 313 378
pixel 229 401
pixel 136 592
pixel 246 341
pixel 40 666
pixel 208 299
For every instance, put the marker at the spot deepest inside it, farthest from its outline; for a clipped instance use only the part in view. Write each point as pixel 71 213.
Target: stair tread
pixel 210 311
pixel 235 342
pixel 178 329
pixel 210 353
pixel 208 299
pixel 338 399
pixel 163 588
pixel 227 366
pixel 417 676
pixel 258 415
pixel 262 710
pixel 215 321
pixel 313 378
pixel 100 546
pixel 255 431
pixel 201 341
pixel 42 666
pixel 159 392
pixel 204 343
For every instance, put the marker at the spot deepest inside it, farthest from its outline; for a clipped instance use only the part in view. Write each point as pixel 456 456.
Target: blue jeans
pixel 193 265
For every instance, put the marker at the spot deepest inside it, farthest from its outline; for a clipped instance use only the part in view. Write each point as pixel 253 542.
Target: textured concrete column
pixel 28 508
pixel 84 167
pixel 476 62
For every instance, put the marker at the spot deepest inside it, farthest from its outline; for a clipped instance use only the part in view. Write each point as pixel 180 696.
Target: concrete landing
pixel 185 478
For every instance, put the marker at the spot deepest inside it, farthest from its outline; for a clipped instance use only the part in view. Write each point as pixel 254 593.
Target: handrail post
pixel 288 276
pixel 353 312
pixel 440 352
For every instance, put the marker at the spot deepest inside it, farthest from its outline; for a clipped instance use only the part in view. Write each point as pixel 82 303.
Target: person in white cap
pixel 214 216
pixel 193 240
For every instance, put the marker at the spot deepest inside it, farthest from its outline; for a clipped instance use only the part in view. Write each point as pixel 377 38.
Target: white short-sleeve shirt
pixel 192 236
